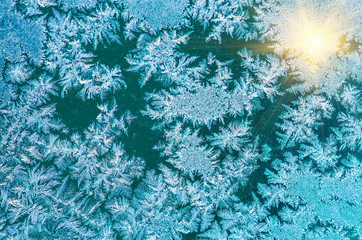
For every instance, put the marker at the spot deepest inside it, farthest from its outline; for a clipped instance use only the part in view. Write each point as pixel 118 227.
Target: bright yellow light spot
pixel 314 41
pixel 310 33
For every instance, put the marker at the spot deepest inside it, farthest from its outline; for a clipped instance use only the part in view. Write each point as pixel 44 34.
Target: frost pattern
pixel 19 35
pixel 154 14
pixel 177 143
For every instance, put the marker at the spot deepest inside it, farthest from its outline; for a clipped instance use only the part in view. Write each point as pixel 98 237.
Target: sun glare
pixel 314 42
pixel 311 35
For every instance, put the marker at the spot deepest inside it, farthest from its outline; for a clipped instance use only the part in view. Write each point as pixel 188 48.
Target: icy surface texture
pixel 201 119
